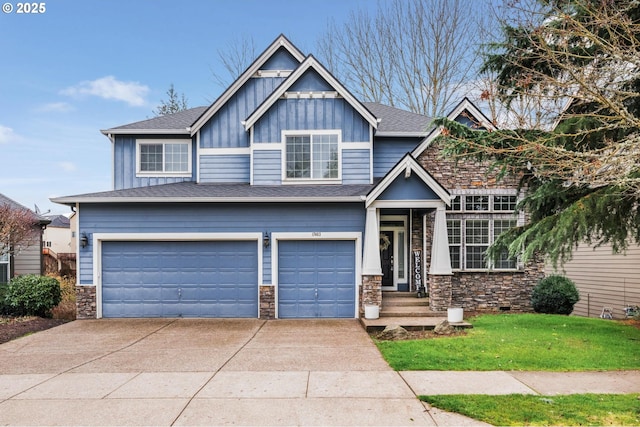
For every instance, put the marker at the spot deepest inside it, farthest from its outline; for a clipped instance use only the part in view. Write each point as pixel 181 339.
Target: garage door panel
pixel 316 278
pixel 173 279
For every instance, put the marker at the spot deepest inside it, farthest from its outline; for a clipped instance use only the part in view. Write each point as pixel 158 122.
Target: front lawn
pixel 529 342
pixel 570 410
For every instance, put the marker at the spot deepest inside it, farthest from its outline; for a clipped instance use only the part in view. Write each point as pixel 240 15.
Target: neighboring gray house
pixel 290 198
pixel 604 279
pixel 27 260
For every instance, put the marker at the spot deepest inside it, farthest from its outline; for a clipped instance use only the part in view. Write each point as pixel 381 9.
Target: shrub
pixel 33 295
pixel 554 295
pixel 66 310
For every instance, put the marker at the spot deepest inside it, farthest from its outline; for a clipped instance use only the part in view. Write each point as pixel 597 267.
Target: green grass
pixel 570 410
pixel 535 342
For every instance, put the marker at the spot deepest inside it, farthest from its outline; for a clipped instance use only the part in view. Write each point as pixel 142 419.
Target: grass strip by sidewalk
pixel 566 410
pixel 529 342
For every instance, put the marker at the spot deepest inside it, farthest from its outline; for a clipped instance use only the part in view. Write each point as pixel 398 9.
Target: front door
pixel 393 252
pixel 386 257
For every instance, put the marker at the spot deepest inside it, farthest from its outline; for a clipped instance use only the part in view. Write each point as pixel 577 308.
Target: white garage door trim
pixel 98 238
pixel 317 235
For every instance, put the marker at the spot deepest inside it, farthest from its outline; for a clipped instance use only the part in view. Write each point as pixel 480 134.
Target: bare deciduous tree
pixel 19 229
pixel 580 165
pixel 235 58
pixel 417 55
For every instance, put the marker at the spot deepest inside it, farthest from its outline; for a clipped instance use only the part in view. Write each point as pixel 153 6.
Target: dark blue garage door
pixel 316 279
pixel 179 279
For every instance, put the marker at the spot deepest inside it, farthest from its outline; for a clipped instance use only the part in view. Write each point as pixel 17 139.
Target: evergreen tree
pixel 174 104
pixel 581 172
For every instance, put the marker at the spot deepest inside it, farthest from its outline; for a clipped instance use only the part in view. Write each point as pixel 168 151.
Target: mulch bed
pixel 15 327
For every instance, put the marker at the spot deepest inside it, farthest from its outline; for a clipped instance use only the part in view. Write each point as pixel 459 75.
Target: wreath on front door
pixel 384 242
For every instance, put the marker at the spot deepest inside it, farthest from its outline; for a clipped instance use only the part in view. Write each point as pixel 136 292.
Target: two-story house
pixel 290 198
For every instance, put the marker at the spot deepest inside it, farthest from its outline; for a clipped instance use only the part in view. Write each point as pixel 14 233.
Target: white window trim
pixel 311 132
pixel 490 215
pixel 143 174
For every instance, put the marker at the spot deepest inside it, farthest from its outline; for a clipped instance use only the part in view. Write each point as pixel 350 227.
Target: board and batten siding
pixel 124 164
pixel 603 279
pixel 311 114
pixel 224 168
pixel 214 218
pixel 225 128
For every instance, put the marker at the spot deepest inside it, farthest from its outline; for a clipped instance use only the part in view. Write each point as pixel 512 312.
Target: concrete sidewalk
pixel 206 372
pixel 240 372
pixel 521 382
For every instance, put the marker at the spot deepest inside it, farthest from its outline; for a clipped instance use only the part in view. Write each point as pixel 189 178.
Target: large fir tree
pixel 581 172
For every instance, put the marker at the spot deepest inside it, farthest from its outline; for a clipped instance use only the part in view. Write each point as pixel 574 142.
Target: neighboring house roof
pixel 4 200
pixel 310 63
pixel 397 122
pixel 58 221
pixel 280 41
pixel 177 123
pixel 225 193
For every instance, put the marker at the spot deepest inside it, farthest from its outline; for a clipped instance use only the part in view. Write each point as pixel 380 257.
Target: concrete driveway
pixel 205 372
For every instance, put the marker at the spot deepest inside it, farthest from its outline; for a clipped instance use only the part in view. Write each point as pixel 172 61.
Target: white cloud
pixel 55 107
pixel 7 135
pixel 67 166
pixel 133 93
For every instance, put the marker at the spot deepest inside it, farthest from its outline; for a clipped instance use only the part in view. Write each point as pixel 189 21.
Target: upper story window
pixel 163 157
pixel 312 156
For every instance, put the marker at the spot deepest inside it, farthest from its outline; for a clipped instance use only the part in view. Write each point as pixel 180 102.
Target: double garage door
pixel 220 279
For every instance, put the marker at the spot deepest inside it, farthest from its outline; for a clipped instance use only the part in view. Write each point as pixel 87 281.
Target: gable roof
pixel 280 41
pixel 4 200
pixel 464 105
pixel 408 165
pixel 467 105
pixel 177 123
pixel 310 63
pixel 58 221
pixel 397 122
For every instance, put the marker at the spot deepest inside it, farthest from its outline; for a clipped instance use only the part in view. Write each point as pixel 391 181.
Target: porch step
pixel 405 304
pixel 408 311
pixel 409 323
pixel 406 299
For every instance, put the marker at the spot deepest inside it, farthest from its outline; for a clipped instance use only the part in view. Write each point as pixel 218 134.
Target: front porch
pixel 406 310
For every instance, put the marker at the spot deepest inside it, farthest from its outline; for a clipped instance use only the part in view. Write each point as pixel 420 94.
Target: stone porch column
pixel 371 290
pixel 440 269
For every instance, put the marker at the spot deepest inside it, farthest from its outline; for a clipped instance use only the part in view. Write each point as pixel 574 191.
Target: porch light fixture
pixel 266 240
pixel 84 240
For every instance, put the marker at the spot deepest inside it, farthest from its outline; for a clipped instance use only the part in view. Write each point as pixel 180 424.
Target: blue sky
pixel 86 65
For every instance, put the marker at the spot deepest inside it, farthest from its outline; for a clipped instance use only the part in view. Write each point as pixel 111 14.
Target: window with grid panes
pixel 476 243
pixel 454 231
pixel 504 203
pixel 313 156
pixel 504 261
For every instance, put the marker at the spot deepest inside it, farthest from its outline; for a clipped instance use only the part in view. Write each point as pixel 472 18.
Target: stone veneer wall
pixel 370 292
pixel 482 292
pixel 85 302
pixel 463 175
pixel 267 302
pixel 476 291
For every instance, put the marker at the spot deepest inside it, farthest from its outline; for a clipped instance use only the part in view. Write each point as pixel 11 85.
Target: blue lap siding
pixel 214 218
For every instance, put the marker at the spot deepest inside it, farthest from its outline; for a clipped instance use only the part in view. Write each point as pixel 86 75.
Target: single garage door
pixel 316 278
pixel 180 279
